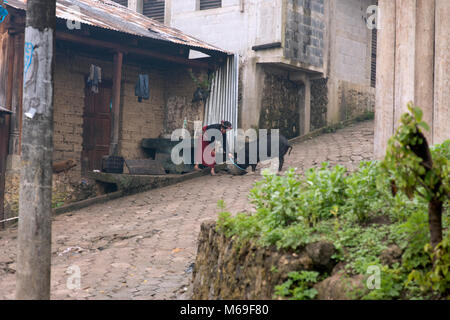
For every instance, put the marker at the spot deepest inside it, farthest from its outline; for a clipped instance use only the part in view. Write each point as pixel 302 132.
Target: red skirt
pixel 203 141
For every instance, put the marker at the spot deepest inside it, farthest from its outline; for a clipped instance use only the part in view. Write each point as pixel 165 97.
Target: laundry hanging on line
pixel 95 78
pixel 142 90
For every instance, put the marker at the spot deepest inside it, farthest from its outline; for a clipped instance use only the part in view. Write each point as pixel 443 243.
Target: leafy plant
pixel 391 286
pixel 438 277
pixel 298 286
pixel 203 87
pixel 415 172
pixel 361 215
pixel 278 198
pixel 363 196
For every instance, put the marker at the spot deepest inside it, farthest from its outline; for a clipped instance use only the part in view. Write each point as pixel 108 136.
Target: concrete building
pixel 303 63
pixel 414 65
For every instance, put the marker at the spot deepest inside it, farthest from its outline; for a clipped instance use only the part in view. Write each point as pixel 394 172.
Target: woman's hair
pixel 226 124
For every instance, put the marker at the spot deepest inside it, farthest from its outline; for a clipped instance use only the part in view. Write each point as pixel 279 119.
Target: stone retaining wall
pixel 226 270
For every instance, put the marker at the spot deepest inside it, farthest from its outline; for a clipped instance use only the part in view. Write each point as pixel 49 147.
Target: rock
pixel 337 268
pixel 232 169
pixel 381 220
pixel 121 265
pixel 391 255
pixel 321 255
pixel 340 287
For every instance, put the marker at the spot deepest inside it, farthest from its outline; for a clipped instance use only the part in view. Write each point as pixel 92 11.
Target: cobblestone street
pixel 143 246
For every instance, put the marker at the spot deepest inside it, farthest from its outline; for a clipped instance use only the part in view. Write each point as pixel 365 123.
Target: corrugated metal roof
pixel 3 110
pixel 110 15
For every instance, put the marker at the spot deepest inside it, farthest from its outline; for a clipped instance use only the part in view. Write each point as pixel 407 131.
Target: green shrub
pixel 363 195
pixel 298 286
pixel 437 278
pixel 361 215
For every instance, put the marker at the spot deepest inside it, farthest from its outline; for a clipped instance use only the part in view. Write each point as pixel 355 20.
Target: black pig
pixel 283 147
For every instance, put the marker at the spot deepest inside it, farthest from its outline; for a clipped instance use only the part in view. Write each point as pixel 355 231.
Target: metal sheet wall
pixel 222 103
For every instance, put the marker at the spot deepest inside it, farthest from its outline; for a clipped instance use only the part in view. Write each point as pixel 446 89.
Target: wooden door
pixel 97 119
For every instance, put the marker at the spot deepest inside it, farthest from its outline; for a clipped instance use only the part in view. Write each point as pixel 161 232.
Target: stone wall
pixel 227 270
pixel 319 103
pixel 224 270
pixel 305 31
pixel 355 100
pixel 280 105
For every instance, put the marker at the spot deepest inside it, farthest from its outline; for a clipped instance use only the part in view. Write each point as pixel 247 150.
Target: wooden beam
pixel 117 80
pixel 266 46
pixel 138 51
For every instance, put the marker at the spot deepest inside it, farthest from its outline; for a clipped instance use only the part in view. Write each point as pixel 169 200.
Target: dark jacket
pixel 141 89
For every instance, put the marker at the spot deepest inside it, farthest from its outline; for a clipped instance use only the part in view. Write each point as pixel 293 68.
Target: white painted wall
pixel 228 27
pixel 349 50
pixel 352 38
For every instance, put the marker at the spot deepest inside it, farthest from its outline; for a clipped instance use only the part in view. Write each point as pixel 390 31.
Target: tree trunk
pixel 435 221
pixel 35 199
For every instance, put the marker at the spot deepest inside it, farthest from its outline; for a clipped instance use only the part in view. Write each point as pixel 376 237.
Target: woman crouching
pixel 206 140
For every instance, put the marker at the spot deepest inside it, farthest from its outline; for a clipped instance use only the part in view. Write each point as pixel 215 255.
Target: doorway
pixel 97 120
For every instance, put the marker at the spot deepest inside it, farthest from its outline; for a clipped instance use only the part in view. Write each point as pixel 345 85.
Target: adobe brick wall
pixel 69 84
pixel 171 92
pixel 180 88
pixel 140 119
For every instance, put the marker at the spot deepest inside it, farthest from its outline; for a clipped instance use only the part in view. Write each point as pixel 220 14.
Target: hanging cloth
pixel 95 78
pixel 141 89
pixel 3 13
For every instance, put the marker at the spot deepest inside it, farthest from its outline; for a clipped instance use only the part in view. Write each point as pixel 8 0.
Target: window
pixel 154 9
pixel 210 4
pixel 122 2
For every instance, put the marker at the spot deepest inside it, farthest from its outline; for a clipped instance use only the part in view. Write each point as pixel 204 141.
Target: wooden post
pixel 441 113
pixel 35 199
pixel 424 62
pixel 384 104
pixel 405 52
pixel 117 79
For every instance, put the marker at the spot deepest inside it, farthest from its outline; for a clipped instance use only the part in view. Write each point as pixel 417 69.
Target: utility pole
pixel 35 200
